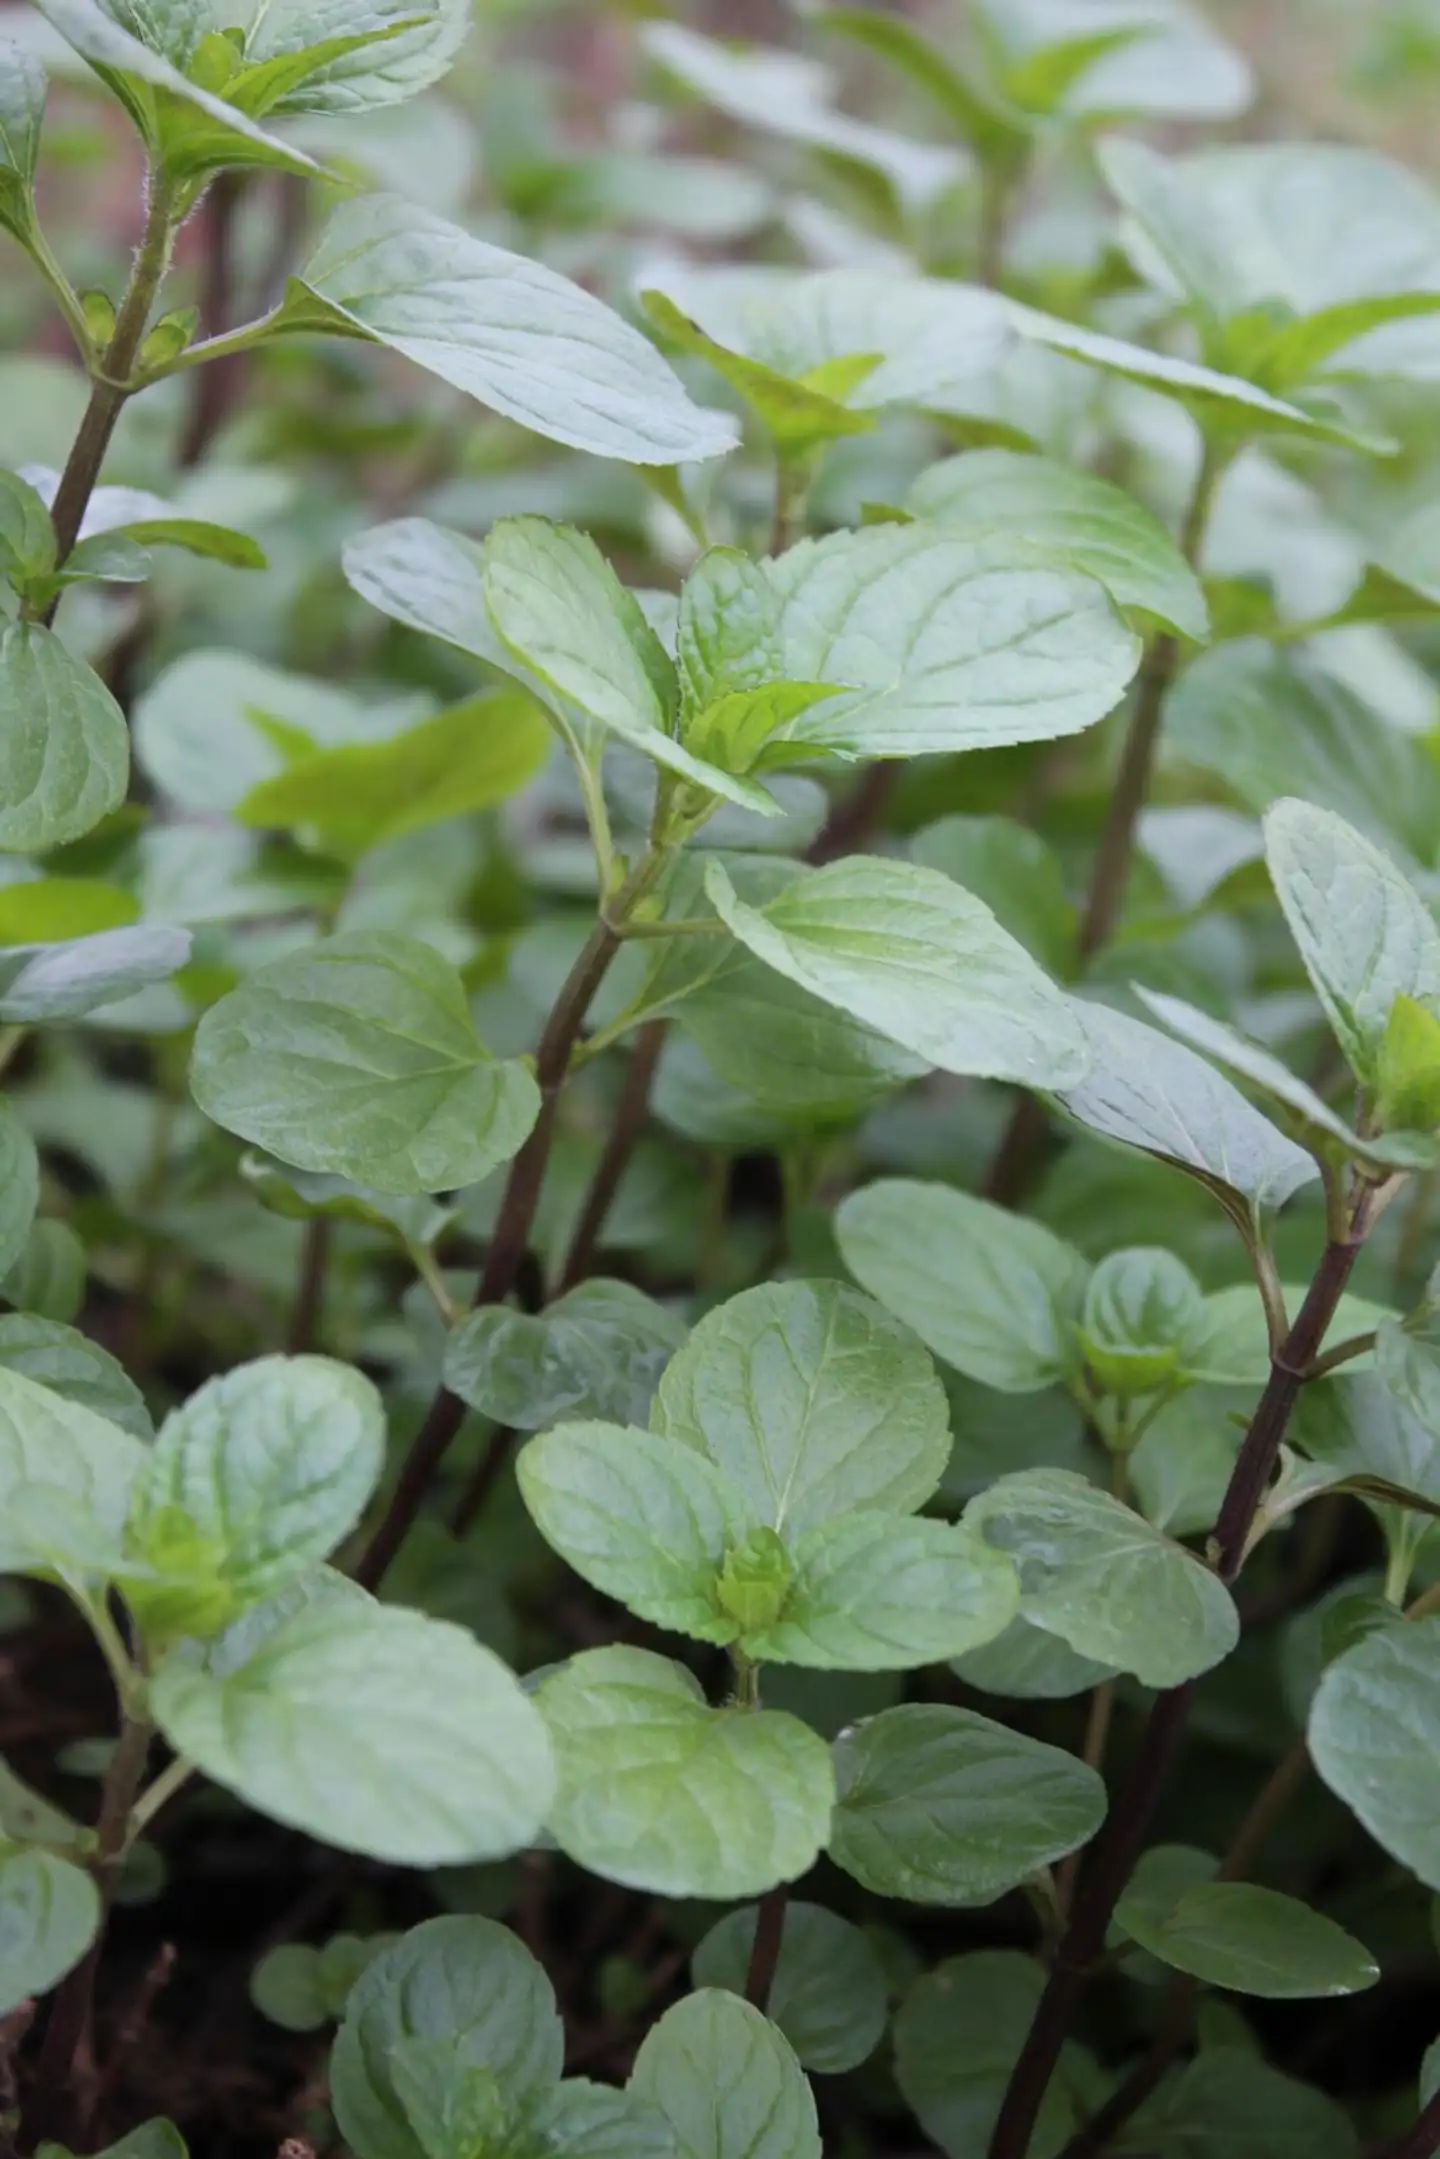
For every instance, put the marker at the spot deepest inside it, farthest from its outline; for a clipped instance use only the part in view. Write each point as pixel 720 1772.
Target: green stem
pixel 159 1794
pixel 112 381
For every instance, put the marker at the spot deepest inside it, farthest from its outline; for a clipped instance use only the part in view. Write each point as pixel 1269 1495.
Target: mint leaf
pixel 64 746
pixel 991 1293
pixel 727 2082
pixel 660 1792
pixel 49 1916
pixel 811 1402
pixel 357 1057
pixel 1093 1572
pixel 921 961
pixel 942 1807
pixel 373 1729
pixel 517 336
pixel 829 1996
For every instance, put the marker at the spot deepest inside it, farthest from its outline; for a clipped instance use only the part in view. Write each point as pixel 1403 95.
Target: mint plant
pixel 720 1026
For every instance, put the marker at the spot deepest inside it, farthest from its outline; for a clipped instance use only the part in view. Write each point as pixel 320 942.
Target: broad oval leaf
pixel 465 1983
pixel 727 2082
pixel 407 47
pixel 1015 872
pixel 1249 1939
pixel 64 745
pixel 1375 1739
pixel 371 1728
pixel 877 1593
pixel 357 1056
pixel 1071 518
pixel 942 1807
pixel 272 1463
pixel 1145 1090
pixel 912 955
pixel 68 1363
pixel 49 1916
pixel 813 1403
pixel 597 1352
pixel 1364 932
pixel 829 1995
pixel 660 1792
pixel 649 1522
pixel 54 1445
pixel 992 1293
pixel 1095 1573
pixel 955 2090
pixel 949 643
pixel 1230 2104
pixel 505 330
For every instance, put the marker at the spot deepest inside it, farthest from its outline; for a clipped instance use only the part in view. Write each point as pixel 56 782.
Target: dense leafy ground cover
pixel 719 836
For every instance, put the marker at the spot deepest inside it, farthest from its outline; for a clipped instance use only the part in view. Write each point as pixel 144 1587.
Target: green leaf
pixel 49 1276
pixel 1017 875
pixel 594 2121
pixel 873 1593
pixel 1407 1068
pixel 398 48
pixel 915 957
pixel 728 631
pixel 1252 1940
pixel 1223 403
pixel 43 983
pixel 363 794
pixel 727 2082
pixel 660 1792
pixel 1025 1664
pixel 271 1464
pixel 948 643
pixel 1095 1573
pixel 990 1292
pixel 207 133
pixel 70 1364
pixel 1271 723
pixel 64 745
pixel 19 1185
pixel 793 97
pixel 1229 2104
pixel 558 607
pixel 49 1916
pixel 801 419
pixel 980 117
pixel 1317 1122
pixel 301 1988
pixel 205 728
pixel 371 1728
pixel 53 910
pixel 1312 227
pixel 955 2090
pixel 1142 1311
pixel 647 1521
pixel 1364 932
pixel 27 537
pixel 1069 518
pixel 358 1057
pixel 1375 1739
pixel 1374 1423
pixel 515 335
pixel 1145 1091
pixel 828 1996
pixel 464 1984
pixel 22 113
pixel 597 1352
pixel 1180 1469
pixel 56 1446
pixel 942 1807
pixel 811 1402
